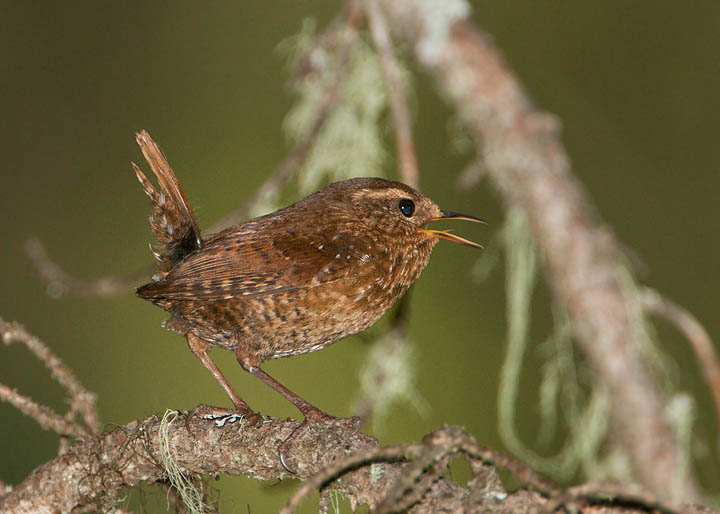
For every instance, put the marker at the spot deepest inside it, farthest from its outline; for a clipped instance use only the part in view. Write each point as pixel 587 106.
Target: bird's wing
pixel 249 263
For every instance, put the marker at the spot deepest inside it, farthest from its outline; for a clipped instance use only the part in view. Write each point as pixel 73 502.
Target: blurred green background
pixel 635 84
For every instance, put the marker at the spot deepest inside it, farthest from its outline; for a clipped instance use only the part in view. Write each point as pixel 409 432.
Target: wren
pixel 290 282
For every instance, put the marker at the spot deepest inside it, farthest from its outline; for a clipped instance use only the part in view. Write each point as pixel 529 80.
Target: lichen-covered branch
pixel 408 478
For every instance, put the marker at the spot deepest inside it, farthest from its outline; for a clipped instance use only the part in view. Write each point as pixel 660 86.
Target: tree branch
pixel 528 166
pixel 405 477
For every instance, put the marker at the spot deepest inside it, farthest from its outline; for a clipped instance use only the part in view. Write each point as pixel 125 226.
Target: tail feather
pixel 172 221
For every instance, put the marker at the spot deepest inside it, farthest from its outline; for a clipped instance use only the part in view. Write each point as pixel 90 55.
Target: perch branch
pixel 92 473
pixel 528 166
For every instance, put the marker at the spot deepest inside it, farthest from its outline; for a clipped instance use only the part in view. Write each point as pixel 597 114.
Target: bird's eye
pixel 407 207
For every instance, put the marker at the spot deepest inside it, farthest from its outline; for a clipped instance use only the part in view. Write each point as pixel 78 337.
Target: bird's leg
pixel 308 410
pixel 200 349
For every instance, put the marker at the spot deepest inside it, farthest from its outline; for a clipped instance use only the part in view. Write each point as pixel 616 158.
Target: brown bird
pixel 293 281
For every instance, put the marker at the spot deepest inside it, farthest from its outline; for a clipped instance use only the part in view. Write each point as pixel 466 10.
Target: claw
pixel 284 465
pixel 221 416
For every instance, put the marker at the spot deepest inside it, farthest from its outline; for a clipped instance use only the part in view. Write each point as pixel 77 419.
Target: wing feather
pixel 245 262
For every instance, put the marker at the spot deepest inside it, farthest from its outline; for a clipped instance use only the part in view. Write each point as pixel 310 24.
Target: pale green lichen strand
pixel 351 141
pixel 388 378
pixel 191 495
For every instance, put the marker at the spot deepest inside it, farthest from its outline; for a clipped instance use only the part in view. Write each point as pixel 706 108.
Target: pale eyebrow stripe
pixel 385 193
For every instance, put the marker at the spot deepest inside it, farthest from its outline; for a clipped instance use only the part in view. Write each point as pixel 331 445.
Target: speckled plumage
pixel 293 281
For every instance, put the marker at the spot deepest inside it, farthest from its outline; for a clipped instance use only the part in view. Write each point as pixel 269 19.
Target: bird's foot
pixel 313 418
pixel 222 416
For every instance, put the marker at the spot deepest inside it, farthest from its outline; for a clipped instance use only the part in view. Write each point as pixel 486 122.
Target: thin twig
pixel 699 339
pixel 43 416
pixel 439 444
pixel 61 283
pixel 81 400
pixel 389 454
pixel 415 481
pixel 517 468
pixel 609 494
pixel 407 157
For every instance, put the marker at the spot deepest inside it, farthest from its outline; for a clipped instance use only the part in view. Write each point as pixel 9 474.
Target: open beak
pixel 446 215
